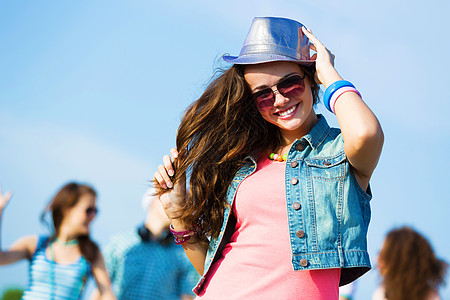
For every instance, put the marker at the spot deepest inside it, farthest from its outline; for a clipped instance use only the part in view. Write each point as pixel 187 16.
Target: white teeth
pixel 287 112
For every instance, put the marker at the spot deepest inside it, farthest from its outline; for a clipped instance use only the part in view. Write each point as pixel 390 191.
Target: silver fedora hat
pixel 273 39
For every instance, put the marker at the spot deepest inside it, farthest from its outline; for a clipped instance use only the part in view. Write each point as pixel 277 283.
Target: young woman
pixel 409 267
pixel 278 203
pixel 61 263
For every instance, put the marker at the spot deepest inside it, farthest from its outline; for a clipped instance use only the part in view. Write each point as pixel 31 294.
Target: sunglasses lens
pixel 292 86
pixel 264 99
pixel 91 210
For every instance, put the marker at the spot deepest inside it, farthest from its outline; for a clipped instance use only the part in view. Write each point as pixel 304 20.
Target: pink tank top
pixel 256 263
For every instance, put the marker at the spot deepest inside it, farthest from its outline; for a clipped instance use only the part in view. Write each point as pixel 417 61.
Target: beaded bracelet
pixel 182 237
pixel 332 89
pixel 338 93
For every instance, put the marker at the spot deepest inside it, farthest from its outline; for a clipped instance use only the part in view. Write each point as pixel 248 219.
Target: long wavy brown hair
pixel 68 197
pixel 216 134
pixel 409 267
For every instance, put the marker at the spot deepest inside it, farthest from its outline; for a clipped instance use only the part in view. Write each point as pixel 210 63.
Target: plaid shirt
pixel 148 270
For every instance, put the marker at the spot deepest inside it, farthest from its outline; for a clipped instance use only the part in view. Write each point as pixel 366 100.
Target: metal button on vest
pixel 299 147
pixel 326 163
pixel 303 262
pixel 300 233
pixel 294 181
pixel 296 205
pixel 294 164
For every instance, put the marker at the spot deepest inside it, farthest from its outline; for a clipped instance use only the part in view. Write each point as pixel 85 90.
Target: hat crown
pixel 273 39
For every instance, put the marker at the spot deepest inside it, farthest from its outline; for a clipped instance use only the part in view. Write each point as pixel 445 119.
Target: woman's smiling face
pixel 294 116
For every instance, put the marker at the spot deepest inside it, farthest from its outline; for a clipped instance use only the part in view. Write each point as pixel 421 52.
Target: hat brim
pixel 261 58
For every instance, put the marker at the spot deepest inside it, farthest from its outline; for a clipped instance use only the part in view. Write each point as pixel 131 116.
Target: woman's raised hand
pixel 165 171
pixel 173 199
pixel 4 198
pixel 325 72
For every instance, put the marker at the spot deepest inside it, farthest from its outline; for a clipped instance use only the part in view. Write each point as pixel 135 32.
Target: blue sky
pixel 94 91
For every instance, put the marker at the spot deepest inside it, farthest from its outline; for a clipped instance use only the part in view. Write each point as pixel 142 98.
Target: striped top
pixel 50 280
pixel 148 269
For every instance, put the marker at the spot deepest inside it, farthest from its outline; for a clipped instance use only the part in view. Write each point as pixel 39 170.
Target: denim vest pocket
pixel 327 168
pixel 326 185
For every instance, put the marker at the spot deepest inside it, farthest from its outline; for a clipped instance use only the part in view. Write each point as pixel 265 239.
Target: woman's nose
pixel 280 100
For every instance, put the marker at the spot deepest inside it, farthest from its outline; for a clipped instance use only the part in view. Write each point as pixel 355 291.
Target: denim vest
pixel 328 212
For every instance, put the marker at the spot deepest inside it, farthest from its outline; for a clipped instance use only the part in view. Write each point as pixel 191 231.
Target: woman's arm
pixel 171 203
pixel 22 248
pixel 95 295
pixel 102 279
pixel 196 252
pixel 362 133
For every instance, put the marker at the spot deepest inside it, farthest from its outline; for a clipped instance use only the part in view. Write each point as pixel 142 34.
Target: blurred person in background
pixel 145 263
pixel 409 267
pixel 61 263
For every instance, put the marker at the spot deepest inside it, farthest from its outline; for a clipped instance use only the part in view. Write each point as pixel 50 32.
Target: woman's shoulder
pixel 30 243
pixel 30 239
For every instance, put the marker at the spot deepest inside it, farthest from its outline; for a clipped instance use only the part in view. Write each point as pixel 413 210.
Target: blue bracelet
pixel 333 88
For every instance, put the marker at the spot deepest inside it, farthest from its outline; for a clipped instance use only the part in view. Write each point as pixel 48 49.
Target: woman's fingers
pixel 163 172
pixel 311 37
pixel 170 199
pixel 315 45
pixel 323 57
pixel 166 170
pixel 160 180
pixel 168 165
pixel 174 153
pixel 162 177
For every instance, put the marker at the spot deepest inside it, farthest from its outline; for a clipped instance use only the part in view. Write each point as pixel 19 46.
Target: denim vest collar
pixel 317 134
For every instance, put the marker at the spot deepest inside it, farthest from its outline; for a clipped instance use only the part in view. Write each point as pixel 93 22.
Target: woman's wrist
pixel 334 91
pixel 181 237
pixel 328 76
